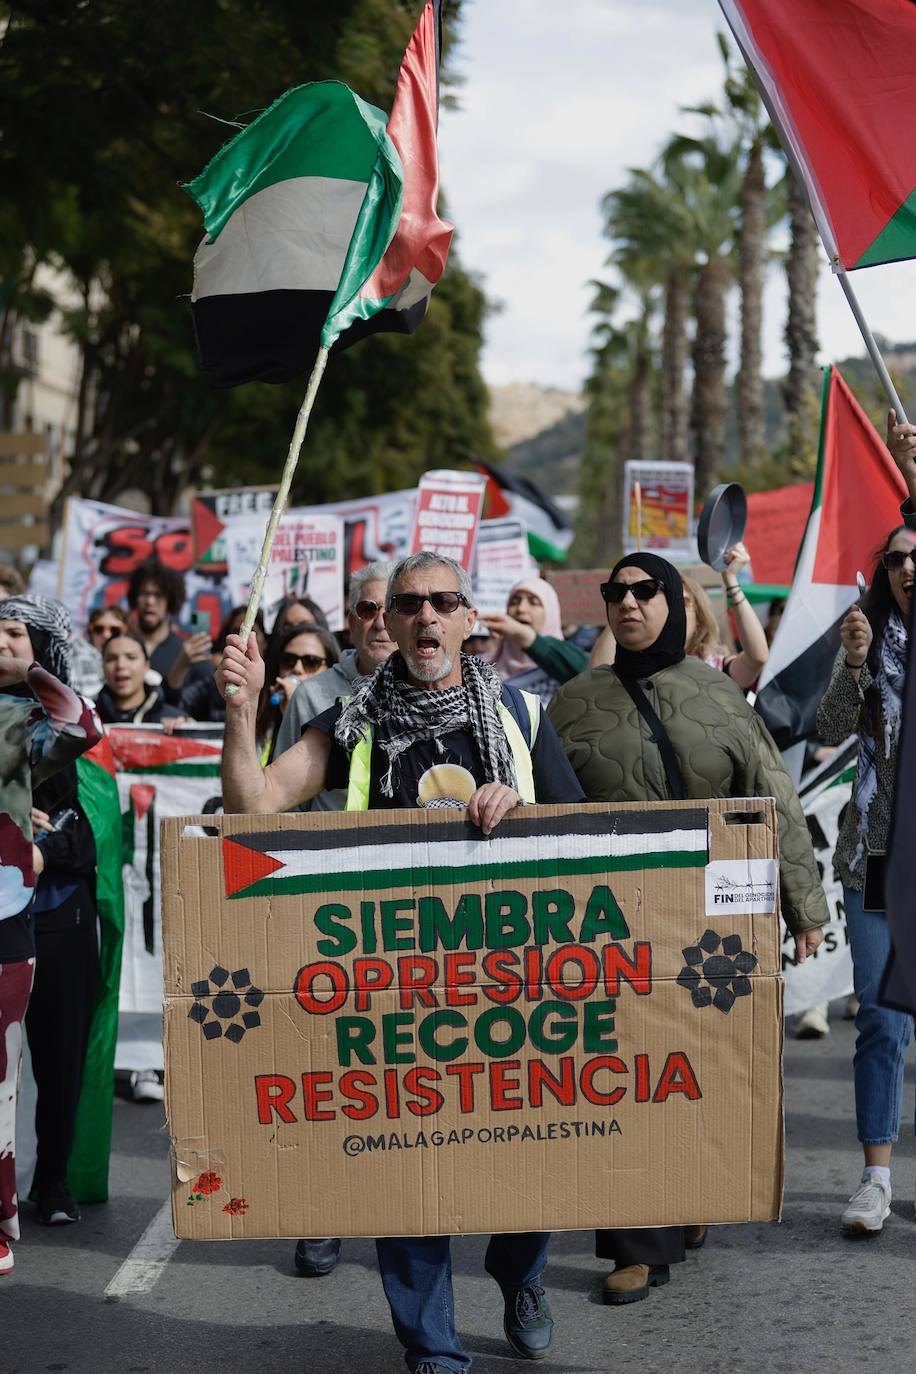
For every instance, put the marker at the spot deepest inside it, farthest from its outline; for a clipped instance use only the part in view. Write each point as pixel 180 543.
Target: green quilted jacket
pixel 723 748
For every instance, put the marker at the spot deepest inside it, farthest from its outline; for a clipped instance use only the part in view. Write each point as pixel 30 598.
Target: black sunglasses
pixel 443 603
pixel 895 559
pixel 310 662
pixel 367 610
pixel 614 592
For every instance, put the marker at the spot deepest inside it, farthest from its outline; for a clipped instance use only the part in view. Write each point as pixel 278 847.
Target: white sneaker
pixel 813 1023
pixel 850 1011
pixel 869 1207
pixel 6 1257
pixel 145 1086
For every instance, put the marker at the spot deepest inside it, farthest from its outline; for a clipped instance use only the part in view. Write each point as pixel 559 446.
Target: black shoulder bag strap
pixel 659 735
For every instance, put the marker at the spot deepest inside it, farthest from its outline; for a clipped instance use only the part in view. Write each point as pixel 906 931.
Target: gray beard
pixel 426 673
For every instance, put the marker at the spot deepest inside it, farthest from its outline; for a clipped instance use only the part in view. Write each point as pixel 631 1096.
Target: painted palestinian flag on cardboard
pixel 857 496
pixel 321 224
pixel 550 533
pixel 275 862
pixel 835 76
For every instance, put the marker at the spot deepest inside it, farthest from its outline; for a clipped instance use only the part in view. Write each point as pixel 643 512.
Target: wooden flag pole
pixel 874 351
pixel 292 458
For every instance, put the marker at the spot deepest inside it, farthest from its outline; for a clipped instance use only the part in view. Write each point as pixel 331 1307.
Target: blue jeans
pixel 883 1035
pixel 417 1275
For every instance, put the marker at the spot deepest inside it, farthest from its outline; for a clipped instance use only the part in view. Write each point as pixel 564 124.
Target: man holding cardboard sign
pixel 432 728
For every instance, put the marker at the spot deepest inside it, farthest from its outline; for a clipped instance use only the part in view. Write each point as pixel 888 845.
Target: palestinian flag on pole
pixel 549 532
pixel 321 224
pixel 276 862
pixel 834 75
pixel 87 1168
pixel 857 496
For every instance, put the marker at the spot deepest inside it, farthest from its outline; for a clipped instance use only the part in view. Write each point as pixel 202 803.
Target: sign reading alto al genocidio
pixel 348 996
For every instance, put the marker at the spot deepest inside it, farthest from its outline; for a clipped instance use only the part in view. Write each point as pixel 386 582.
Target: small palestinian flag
pixel 352 860
pixel 549 531
pixel 321 224
pixel 857 496
pixel 829 74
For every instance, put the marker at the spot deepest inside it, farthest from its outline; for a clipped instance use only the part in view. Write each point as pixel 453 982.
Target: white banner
pixel 103 544
pixel 307 560
pixel 448 511
pixel 158 775
pixel 828 975
pixel 659 516
pixel 502 561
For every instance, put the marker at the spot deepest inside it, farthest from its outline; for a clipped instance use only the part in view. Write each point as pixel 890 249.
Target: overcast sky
pixel 559 99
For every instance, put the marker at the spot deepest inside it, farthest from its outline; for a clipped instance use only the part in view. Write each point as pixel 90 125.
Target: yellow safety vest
pixel 361 758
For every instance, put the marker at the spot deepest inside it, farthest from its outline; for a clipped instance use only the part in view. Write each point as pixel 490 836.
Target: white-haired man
pixel 429 725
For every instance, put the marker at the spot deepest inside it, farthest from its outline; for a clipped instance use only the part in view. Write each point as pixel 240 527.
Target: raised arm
pixel 744 668
pixel 295 777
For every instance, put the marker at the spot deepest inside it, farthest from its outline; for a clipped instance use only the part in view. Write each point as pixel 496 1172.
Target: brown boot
pixel 632 1283
pixel 694 1237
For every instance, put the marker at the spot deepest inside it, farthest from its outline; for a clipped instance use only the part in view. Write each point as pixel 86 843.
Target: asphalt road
pixel 794 1297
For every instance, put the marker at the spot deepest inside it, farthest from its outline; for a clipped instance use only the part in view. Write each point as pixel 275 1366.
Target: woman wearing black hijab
pixel 711 745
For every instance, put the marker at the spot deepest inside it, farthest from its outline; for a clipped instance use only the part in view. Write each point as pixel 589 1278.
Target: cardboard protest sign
pixel 662 516
pixel 382 1023
pixel 502 561
pixel 448 511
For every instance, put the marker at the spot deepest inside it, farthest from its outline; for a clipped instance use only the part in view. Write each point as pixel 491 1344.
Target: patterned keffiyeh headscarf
pixel 406 714
pixel 49 630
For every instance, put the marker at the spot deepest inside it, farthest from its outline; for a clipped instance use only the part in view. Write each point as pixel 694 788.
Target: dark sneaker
pixel 527 1321
pixel 430 1367
pixel 57 1208
pixel 315 1258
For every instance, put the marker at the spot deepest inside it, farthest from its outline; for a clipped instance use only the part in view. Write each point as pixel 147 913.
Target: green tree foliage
pixel 105 109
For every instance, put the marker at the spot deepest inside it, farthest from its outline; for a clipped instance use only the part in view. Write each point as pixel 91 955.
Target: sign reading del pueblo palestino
pixel 385 1024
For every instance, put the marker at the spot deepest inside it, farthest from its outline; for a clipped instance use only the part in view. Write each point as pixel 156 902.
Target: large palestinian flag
pixel 835 77
pixel 321 224
pixel 269 862
pixel 549 531
pixel 857 496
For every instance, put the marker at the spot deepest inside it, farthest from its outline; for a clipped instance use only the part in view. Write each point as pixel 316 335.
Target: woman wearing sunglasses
pixel 864 697
pixel 711 745
pixel 298 652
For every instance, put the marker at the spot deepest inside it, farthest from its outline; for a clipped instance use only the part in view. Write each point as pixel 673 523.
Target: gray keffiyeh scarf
pixel 51 645
pixel 889 682
pixel 407 714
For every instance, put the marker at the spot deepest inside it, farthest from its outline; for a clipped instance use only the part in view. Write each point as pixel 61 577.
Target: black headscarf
pixel 669 646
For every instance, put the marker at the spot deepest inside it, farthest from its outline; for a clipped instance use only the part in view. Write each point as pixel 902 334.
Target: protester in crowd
pixel 44 726
pixel 104 622
pixel 200 698
pixel 745 666
pixel 425 706
pixel 865 697
pixel 711 745
pixel 155 595
pixel 65 920
pixel 126 698
pixel 299 610
pixel 11 581
pixel 371 646
pixel 532 653
pixel 299 652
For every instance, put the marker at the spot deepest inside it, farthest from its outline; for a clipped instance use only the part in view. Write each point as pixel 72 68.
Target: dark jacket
pixel 152 710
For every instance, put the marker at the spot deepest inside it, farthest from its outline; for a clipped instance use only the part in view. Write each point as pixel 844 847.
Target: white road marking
pixel 144 1265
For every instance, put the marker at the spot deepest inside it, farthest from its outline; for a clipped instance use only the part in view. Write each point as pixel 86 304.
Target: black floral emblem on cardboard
pixel 715 971
pixel 220 1003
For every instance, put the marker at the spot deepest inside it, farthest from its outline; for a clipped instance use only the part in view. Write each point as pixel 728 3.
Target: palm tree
pixel 705 177
pixel 801 390
pixel 600 515
pixel 643 218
